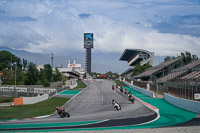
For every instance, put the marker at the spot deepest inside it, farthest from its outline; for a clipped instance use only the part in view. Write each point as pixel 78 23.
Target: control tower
pixel 88 45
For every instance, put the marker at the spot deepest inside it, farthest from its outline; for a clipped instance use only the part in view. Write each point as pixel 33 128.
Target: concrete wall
pixel 143 91
pixel 190 105
pixel 32 100
pixel 71 83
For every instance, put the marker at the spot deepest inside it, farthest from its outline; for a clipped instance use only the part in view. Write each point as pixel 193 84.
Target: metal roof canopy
pixel 129 54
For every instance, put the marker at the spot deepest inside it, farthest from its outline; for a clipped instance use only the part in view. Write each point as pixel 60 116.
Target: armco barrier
pixel 32 100
pixel 190 105
pixel 143 91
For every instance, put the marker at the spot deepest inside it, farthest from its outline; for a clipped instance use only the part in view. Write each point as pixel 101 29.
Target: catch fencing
pixel 184 88
pixel 24 92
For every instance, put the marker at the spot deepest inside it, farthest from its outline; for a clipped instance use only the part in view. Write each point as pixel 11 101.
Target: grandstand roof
pixel 130 54
pixel 158 68
pixel 180 71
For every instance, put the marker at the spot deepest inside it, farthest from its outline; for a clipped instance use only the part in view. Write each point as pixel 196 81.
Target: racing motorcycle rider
pixel 116 105
pixel 62 112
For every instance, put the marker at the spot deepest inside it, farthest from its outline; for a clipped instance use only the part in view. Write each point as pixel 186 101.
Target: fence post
pixel 131 82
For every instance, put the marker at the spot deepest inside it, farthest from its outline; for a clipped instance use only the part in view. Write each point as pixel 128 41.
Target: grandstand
pixel 192 75
pixel 160 70
pixel 184 70
pixel 69 72
pixel 136 56
pixel 170 76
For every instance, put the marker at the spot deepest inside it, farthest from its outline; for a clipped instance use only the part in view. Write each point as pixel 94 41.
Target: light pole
pixel 15 74
pixel 15 78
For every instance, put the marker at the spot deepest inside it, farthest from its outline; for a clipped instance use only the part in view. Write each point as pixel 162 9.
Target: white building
pixel 76 67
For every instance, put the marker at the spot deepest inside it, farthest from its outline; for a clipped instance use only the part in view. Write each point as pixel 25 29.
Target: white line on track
pixel 102 93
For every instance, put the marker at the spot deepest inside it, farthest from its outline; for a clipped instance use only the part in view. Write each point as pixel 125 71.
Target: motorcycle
pixel 131 98
pixel 113 87
pixel 121 89
pixel 62 113
pixel 125 92
pixel 116 105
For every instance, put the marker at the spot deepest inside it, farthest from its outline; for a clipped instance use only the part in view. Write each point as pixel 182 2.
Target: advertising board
pixel 196 96
pixel 88 40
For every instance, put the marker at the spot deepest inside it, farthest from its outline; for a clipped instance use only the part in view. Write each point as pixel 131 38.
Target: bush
pixel 6 99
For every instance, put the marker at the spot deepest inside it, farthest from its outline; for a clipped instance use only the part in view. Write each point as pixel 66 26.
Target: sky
pixel 166 27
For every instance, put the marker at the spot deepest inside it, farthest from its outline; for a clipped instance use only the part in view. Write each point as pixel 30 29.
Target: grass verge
pixel 119 83
pixel 27 111
pixel 80 85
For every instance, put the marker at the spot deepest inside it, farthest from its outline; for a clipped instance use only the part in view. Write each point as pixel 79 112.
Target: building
pixel 136 56
pixel 72 71
pixel 76 67
pixel 69 72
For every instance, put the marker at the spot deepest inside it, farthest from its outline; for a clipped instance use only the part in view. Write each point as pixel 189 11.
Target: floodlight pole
pixel 15 78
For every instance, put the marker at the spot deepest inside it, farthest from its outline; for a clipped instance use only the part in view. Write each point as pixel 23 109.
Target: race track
pixel 91 108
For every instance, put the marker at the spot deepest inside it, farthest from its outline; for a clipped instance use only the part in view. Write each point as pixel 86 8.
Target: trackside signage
pixel 196 96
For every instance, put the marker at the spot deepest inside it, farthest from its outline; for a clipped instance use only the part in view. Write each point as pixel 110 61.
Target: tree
pixel 112 75
pixel 188 57
pixel 140 69
pixel 21 77
pixel 57 76
pixel 8 77
pixel 7 60
pixel 48 72
pixel 32 74
pixel 167 58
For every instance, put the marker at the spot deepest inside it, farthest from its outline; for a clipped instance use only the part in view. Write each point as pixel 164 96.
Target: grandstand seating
pixel 158 68
pixel 192 75
pixel 191 65
pixel 171 76
pixel 176 73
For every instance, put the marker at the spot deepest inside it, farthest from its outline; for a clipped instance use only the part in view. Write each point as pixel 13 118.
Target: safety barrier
pixel 18 101
pixel 32 100
pixel 190 105
pixel 143 91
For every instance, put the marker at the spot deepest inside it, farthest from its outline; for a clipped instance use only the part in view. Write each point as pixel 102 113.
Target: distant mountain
pixel 101 62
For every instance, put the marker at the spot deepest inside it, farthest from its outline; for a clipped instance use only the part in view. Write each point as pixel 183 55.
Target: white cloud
pixel 116 25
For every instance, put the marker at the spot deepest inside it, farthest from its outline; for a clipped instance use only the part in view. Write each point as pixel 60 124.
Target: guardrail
pixel 143 91
pixel 190 105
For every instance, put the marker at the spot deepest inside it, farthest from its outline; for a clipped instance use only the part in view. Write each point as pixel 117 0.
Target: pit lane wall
pixel 143 91
pixel 190 105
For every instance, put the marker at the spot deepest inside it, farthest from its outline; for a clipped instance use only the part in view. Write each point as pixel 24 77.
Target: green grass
pixel 6 99
pixel 119 83
pixel 80 85
pixel 27 111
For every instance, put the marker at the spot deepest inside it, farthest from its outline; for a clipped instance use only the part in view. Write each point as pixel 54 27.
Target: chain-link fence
pixel 10 91
pixel 184 88
pixel 141 84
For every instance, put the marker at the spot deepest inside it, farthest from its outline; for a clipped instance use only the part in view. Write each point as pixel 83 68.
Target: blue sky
pixel 166 27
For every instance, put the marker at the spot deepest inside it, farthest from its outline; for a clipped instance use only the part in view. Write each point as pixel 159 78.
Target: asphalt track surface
pixel 93 107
